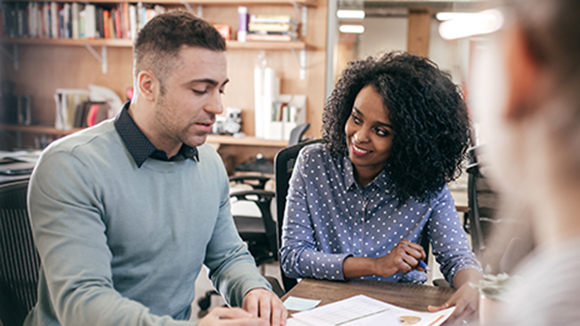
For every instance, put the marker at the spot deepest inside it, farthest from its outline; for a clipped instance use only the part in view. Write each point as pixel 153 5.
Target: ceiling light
pixel 442 16
pixel 484 22
pixel 350 14
pixel 357 29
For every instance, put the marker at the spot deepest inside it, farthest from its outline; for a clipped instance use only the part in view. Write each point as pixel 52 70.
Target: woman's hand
pixel 465 299
pixel 402 259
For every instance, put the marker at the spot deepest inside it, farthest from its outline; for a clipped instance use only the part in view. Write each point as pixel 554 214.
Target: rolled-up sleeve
pixel 448 239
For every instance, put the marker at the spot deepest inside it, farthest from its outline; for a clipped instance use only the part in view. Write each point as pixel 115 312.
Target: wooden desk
pixel 410 296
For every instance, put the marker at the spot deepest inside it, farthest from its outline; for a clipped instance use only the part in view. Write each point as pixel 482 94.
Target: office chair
pixel 19 260
pixel 259 232
pixel 510 233
pixel 481 204
pixel 297 133
pixel 284 162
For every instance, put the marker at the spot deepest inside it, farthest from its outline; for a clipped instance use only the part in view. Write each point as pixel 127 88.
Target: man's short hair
pixel 159 41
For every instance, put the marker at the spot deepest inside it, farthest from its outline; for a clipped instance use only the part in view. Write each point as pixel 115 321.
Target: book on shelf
pixel 74 20
pixel 24 110
pixel 264 18
pixel 270 37
pixel 124 7
pixel 90 22
pixel 274 27
pixel 67 100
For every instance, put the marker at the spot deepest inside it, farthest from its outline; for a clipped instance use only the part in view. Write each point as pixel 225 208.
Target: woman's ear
pixel 523 73
pixel 147 85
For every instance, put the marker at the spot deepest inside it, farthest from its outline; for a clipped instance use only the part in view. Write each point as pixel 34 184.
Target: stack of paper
pixel 361 310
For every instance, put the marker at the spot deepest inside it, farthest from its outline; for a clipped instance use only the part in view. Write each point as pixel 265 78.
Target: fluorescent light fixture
pixel 442 16
pixel 355 29
pixel 484 22
pixel 350 14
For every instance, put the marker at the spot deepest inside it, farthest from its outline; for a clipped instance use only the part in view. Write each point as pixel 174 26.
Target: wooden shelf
pixel 38 129
pixel 69 42
pixel 263 45
pixel 310 3
pixel 267 45
pixel 215 139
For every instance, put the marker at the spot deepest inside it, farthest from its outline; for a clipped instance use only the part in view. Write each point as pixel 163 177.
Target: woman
pixel 395 131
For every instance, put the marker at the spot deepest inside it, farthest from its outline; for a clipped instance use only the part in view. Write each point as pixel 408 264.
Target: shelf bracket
pixel 301 62
pixel 302 11
pixel 13 57
pixel 102 59
pixel 199 12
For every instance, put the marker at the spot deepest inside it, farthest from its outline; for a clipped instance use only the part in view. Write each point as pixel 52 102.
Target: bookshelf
pixel 47 64
pixel 309 3
pixel 214 139
pixel 264 45
pixel 48 130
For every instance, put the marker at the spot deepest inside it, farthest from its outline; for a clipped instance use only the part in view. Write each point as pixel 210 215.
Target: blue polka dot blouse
pixel 329 217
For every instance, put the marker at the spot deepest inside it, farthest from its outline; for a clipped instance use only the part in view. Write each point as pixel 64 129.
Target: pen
pixel 424 266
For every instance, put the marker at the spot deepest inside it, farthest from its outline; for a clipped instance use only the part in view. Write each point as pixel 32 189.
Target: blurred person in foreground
pixel 527 98
pixel 126 213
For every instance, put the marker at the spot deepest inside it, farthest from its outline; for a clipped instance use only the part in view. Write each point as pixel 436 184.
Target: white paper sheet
pixel 300 304
pixel 361 310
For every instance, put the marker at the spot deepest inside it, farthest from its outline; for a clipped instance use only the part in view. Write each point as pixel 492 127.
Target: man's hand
pixel 231 317
pixel 265 305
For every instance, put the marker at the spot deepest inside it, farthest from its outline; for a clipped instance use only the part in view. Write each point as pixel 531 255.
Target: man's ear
pixel 148 85
pixel 523 72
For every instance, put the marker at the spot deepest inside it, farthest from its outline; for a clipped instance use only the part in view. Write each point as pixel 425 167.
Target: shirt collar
pixel 140 147
pixel 381 181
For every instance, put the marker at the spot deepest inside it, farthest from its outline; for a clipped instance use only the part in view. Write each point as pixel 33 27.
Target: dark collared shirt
pixel 140 147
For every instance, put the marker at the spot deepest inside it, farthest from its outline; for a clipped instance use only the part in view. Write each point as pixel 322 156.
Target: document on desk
pixel 361 310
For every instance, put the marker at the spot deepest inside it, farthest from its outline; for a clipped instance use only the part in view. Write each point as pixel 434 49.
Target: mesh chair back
pixel 482 204
pixel 19 260
pixel 283 167
pixel 297 133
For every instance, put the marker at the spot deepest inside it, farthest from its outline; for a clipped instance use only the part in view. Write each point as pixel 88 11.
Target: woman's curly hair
pixel 428 115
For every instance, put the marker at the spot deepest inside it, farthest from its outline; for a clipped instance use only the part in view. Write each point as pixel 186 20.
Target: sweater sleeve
pixel 66 213
pixel 232 268
pixel 299 256
pixel 448 239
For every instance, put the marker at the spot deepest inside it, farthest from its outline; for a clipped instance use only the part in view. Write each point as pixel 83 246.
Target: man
pixel 125 213
pixel 528 101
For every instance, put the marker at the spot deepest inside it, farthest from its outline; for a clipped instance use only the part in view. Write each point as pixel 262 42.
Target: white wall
pixel 389 34
pixel 382 35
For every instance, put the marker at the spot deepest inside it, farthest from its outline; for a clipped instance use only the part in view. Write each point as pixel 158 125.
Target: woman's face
pixel 369 134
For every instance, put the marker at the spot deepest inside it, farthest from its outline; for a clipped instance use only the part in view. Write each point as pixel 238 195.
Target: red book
pixel 106 15
pixel 118 26
pixel 126 25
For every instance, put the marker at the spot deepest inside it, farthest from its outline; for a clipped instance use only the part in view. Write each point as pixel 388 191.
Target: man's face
pixel 192 99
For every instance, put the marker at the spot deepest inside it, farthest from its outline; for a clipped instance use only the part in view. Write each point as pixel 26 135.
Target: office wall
pixel 388 34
